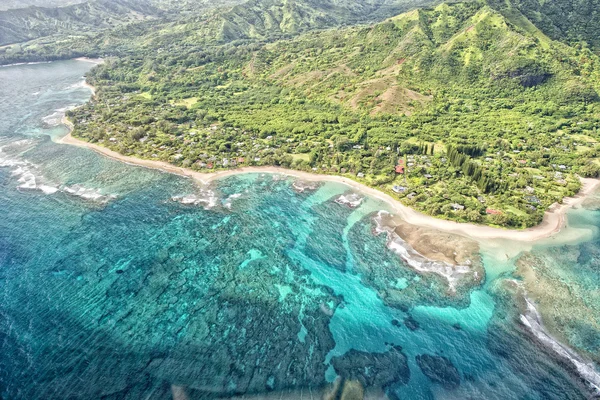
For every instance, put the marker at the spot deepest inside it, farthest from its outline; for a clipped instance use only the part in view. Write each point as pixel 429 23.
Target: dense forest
pixel 466 111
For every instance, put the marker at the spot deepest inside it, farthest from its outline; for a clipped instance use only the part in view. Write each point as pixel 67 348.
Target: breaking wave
pixel 29 178
pixel 56 117
pixel 205 197
pixel 533 320
pixel 352 200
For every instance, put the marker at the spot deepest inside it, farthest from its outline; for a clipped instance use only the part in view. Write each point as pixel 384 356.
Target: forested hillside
pixel 568 20
pixel 261 19
pixel 12 4
pixel 86 18
pixel 102 27
pixel 461 111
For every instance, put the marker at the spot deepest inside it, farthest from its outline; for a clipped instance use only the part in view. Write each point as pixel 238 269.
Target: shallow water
pixel 111 287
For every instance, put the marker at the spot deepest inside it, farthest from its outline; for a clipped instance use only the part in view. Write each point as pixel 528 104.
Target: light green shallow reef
pixel 118 282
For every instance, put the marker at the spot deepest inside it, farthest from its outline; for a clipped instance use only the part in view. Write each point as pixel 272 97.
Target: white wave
pixel 415 260
pixel 302 186
pixel 227 203
pixel 533 320
pixel 352 200
pixel 204 197
pixel 27 180
pixel 88 193
pixel 25 63
pixel 47 189
pixel 29 177
pixel 56 117
pixel 78 85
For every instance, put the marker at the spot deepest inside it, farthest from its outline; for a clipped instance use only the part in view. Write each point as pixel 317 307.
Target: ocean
pixel 121 282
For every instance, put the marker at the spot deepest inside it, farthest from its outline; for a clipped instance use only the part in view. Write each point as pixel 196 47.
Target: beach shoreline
pixel 96 61
pixel 554 218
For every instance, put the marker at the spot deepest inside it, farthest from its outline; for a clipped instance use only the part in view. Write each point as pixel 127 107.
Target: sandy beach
pixel 90 60
pixel 554 219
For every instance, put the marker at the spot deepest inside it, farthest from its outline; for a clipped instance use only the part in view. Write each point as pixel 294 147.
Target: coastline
pixel 90 60
pixel 554 218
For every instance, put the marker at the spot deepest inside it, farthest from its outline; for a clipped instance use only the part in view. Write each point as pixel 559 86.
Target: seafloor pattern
pixel 119 282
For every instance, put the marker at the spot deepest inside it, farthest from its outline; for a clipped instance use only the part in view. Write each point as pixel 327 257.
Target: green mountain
pixel 83 19
pixel 573 20
pixel 261 19
pixel 490 117
pixel 13 4
pixel 25 24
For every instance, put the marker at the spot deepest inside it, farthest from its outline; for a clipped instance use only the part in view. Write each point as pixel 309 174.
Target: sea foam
pixel 56 117
pixel 533 320
pixel 205 197
pixel 352 200
pixel 29 177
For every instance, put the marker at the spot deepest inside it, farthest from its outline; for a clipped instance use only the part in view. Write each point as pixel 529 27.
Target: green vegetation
pixel 491 123
pixel 575 20
pixel 465 111
pixel 84 20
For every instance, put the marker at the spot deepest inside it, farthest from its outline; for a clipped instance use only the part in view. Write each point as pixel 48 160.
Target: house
pixel 240 160
pixel 399 189
pixel 491 211
pixel 427 176
pixel 399 169
pixel 360 175
pixel 458 207
pixel 411 196
pixel 529 190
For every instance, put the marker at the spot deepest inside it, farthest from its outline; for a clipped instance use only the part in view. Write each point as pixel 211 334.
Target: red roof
pixel 399 169
pixel 493 212
pixel 400 162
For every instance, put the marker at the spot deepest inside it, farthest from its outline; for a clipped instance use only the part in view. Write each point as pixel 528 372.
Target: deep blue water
pixel 111 289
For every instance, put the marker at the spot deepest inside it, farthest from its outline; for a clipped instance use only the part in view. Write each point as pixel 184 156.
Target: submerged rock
pixel 374 369
pixel 439 370
pixel 411 323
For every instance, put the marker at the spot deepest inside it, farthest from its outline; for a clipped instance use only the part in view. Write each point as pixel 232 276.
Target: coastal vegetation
pixel 465 111
pixel 457 110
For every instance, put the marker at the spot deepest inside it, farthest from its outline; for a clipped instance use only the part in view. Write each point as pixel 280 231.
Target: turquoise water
pixel 111 288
